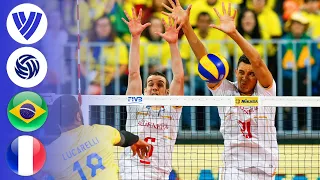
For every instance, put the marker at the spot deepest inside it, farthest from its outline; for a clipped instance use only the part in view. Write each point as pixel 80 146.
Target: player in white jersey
pixel 251 149
pixel 156 125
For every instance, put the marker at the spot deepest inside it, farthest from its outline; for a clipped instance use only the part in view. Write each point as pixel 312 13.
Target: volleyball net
pixel 199 143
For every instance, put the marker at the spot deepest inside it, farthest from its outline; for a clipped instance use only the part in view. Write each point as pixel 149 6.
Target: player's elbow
pixel 179 78
pixel 134 74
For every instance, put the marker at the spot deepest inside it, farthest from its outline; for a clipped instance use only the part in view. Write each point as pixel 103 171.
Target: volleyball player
pixel 158 125
pixel 84 152
pixel 250 144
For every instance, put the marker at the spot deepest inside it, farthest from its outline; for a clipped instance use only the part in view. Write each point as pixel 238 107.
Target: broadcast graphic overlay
pixel 27 23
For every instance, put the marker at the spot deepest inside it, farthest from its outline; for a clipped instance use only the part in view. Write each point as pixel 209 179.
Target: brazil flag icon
pixel 27 111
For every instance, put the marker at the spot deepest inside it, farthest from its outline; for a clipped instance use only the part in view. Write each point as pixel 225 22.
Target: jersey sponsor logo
pixel 161 126
pixel 246 101
pixel 135 100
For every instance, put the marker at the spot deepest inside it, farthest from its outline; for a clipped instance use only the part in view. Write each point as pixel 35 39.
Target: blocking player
pixel 157 125
pixel 251 149
pixel 84 152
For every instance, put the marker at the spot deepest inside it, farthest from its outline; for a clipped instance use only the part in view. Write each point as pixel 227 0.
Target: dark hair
pixel 157 73
pixel 64 110
pixel 92 34
pixel 204 14
pixel 256 34
pixel 243 59
pixel 146 33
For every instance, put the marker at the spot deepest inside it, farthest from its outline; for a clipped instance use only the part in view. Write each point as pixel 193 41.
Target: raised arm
pixel 183 18
pixel 227 25
pixel 171 36
pixel 136 28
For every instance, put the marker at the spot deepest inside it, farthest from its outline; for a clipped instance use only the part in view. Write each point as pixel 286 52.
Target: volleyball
pixel 213 68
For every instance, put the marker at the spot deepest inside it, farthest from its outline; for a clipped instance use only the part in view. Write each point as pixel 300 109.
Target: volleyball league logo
pixel 27 111
pixel 26 155
pixel 27 67
pixel 27 23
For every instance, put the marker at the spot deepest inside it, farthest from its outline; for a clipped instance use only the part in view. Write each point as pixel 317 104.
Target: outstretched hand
pixel 171 34
pixel 141 148
pixel 177 12
pixel 134 23
pixel 227 22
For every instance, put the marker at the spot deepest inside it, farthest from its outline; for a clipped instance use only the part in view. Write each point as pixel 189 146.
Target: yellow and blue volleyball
pixel 213 68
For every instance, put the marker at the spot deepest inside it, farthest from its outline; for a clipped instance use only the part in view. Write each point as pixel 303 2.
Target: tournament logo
pixel 27 67
pixel 26 156
pixel 27 23
pixel 27 111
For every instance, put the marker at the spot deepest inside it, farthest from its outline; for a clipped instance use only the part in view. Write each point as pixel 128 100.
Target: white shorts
pixel 131 170
pixel 236 174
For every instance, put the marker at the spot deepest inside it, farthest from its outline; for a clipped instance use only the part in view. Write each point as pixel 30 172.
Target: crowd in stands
pixel 100 22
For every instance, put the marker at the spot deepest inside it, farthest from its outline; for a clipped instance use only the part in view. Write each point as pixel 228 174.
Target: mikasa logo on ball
pixel 27 67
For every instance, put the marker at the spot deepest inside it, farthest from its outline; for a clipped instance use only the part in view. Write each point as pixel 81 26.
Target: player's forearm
pixel 249 51
pixel 134 56
pixel 176 87
pixel 196 45
pixel 127 139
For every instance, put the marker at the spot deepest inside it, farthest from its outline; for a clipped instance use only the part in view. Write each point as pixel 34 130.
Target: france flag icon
pixel 26 155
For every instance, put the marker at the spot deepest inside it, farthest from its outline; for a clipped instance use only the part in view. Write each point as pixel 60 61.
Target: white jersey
pixel 250 138
pixel 158 127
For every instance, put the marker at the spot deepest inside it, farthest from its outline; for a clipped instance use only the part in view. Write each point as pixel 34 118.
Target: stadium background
pixel 104 57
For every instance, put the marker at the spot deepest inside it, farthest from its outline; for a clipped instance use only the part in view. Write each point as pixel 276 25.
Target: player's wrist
pixel 137 36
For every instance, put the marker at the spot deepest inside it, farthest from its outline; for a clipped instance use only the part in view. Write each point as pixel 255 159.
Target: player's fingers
pixel 140 154
pixel 146 25
pixel 134 15
pixel 140 15
pixel 189 9
pixel 175 22
pixel 134 151
pixel 218 14
pixel 177 3
pixel 125 21
pixel 224 9
pixel 215 26
pixel 167 7
pixel 165 24
pixel 180 26
pixel 166 14
pixel 159 34
pixel 170 22
pixel 172 3
pixel 229 9
pixel 129 18
pixel 235 14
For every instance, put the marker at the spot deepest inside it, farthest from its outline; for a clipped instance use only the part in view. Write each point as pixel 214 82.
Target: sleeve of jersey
pixel 269 91
pixel 109 133
pixel 223 89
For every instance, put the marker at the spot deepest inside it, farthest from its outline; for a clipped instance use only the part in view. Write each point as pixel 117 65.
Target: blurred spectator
pixel 52 46
pixel 266 17
pixel 249 28
pixel 213 41
pixel 269 4
pixel 103 57
pixel 303 56
pixel 289 7
pixel 154 51
pixel 312 12
pixel 205 6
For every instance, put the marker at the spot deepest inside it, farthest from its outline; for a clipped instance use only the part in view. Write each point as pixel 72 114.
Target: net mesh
pixel 205 142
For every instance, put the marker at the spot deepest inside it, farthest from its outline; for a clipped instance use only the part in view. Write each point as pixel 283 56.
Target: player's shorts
pixel 236 174
pixel 131 170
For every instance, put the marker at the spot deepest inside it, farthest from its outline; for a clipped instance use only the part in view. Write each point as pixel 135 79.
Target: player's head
pixel 157 84
pixel 66 112
pixel 211 2
pixel 245 76
pixel 203 21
